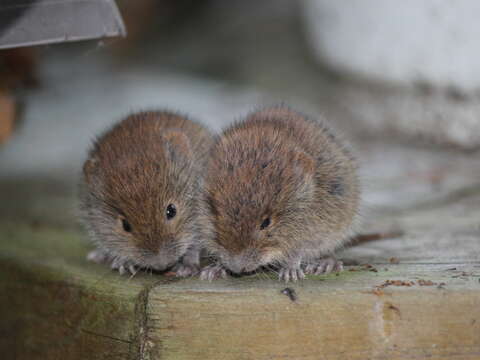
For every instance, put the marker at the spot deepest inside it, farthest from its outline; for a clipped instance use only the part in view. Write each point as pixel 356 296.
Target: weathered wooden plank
pixel 54 305
pixel 335 317
pixel 435 314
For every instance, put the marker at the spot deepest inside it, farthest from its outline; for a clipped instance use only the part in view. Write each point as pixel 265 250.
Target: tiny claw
pixel 324 266
pixel 132 269
pixel 124 267
pixel 213 272
pixel 121 270
pixel 291 274
pixel 115 264
pixel 182 270
pixel 338 266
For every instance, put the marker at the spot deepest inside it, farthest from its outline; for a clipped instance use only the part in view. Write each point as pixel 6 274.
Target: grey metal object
pixel 38 22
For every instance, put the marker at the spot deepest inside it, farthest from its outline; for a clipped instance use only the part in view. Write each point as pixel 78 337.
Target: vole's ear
pixel 90 169
pixel 304 163
pixel 177 143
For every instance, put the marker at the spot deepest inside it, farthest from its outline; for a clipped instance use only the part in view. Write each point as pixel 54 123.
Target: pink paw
pixel 291 274
pixel 213 272
pixel 324 266
pixel 124 267
pixel 183 270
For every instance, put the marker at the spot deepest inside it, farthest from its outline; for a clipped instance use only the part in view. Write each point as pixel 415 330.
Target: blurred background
pixel 401 81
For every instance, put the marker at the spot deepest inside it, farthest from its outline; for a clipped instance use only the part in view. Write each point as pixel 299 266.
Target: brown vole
pixel 281 190
pixel 139 192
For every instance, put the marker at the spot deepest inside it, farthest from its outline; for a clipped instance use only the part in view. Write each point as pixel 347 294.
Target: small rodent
pixel 139 192
pixel 281 190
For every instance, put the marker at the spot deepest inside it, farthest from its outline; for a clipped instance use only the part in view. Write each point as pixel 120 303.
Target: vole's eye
pixel 266 222
pixel 171 211
pixel 126 226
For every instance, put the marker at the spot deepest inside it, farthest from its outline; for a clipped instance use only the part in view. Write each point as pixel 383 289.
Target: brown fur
pixel 280 165
pixel 133 172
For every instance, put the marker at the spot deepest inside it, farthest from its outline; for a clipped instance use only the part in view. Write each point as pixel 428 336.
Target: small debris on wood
pixel 423 282
pixel 363 238
pixel 394 260
pixel 394 308
pixel 350 262
pixel 396 283
pixel 377 291
pixel 365 267
pixel 463 275
pixel 452 269
pixel 370 268
pixel 420 282
pixel 292 295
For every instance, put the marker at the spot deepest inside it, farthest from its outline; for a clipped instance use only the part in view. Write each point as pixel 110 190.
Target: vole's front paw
pixel 98 256
pixel 124 267
pixel 186 270
pixel 291 274
pixel 324 266
pixel 213 272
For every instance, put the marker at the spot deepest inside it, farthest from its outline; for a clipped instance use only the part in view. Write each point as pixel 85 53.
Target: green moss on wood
pixel 56 305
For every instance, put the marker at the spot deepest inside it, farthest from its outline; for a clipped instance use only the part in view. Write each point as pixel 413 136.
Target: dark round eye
pixel 126 226
pixel 266 222
pixel 171 211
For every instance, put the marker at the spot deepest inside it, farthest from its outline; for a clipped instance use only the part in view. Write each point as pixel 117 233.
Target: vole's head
pixel 258 194
pixel 139 194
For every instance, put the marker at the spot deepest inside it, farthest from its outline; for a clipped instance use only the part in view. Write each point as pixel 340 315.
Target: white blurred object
pixel 432 42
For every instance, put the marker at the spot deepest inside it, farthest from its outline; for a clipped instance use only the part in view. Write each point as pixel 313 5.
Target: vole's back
pixel 280 128
pixel 336 167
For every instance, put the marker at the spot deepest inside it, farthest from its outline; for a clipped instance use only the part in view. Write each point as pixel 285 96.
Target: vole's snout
pixel 161 261
pixel 236 265
pixel 160 265
pixel 245 262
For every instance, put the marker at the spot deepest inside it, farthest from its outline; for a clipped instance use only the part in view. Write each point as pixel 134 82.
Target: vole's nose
pixel 236 266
